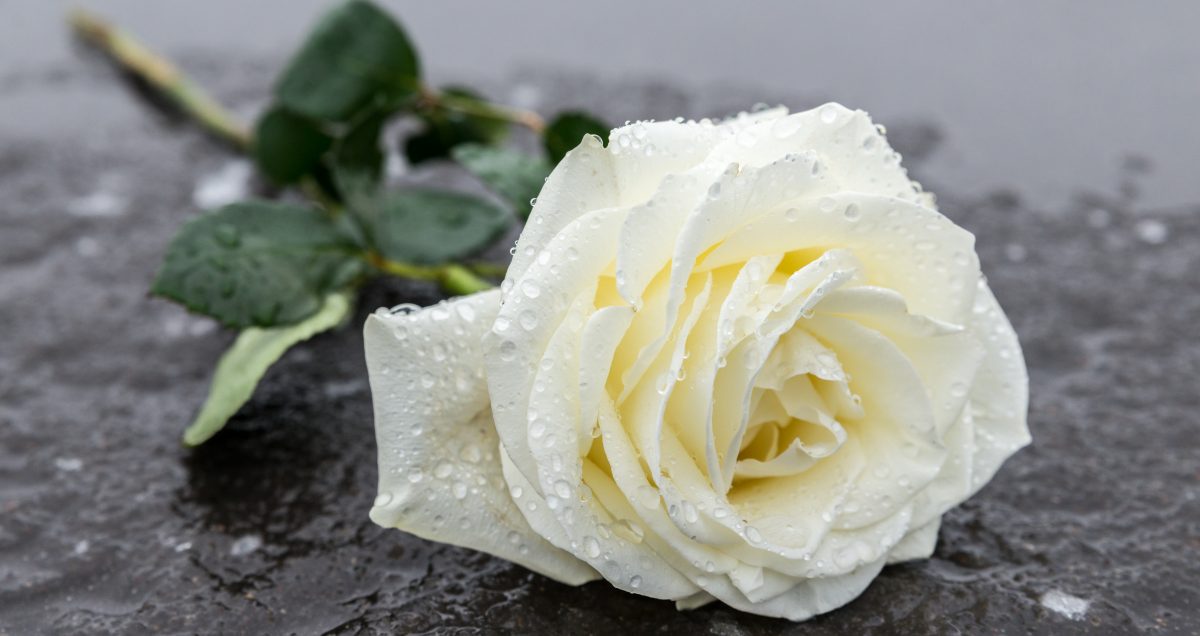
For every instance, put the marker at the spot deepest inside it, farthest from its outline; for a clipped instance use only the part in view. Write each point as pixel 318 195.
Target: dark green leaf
pixel 258 263
pixel 288 146
pixel 567 130
pixel 515 176
pixel 243 365
pixel 460 116
pixel 430 227
pixel 356 55
pixel 359 151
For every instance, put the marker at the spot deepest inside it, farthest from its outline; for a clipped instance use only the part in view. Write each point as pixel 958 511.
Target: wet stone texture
pixel 107 525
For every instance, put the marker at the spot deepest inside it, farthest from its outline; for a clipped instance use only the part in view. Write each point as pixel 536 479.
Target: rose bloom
pixel 744 361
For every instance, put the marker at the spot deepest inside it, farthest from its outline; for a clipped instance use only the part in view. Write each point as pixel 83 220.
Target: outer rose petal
pixel 440 474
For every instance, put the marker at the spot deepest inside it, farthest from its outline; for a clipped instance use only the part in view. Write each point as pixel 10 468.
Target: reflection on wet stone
pixel 108 525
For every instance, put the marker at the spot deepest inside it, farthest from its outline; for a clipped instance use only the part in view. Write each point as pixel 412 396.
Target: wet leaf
pixel 359 151
pixel 357 54
pixel 257 263
pixel 288 146
pixel 430 227
pixel 515 176
pixel 243 365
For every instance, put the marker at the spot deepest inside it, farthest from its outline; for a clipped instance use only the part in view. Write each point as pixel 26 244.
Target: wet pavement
pixel 108 525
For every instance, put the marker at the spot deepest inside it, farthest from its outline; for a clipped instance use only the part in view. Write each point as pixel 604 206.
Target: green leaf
pixel 567 130
pixel 515 176
pixel 359 150
pixel 459 116
pixel 431 227
pixel 243 365
pixel 257 263
pixel 288 146
pixel 357 54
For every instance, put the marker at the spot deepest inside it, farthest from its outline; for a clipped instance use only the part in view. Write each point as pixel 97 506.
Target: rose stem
pixel 526 118
pixel 164 77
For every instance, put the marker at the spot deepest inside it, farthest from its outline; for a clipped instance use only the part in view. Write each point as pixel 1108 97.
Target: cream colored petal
pixel 898 430
pixel 919 543
pixel 601 335
pixel 584 181
pixel 648 234
pixel 644 152
pixel 945 356
pixel 732 202
pixel 440 475
pixel 954 482
pixel 902 246
pixel 810 597
pixel 852 154
pixel 644 411
pixel 646 500
pixel 530 315
pixel 1000 395
pixel 570 484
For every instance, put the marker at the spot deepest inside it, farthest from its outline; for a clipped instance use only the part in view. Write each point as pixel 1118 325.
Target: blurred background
pixel 1061 133
pixel 1030 96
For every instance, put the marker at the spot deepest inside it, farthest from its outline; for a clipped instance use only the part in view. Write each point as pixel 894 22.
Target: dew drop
pixel 689 512
pixel 508 350
pixel 647 497
pixel 528 320
pixel 471 454
pixel 591 547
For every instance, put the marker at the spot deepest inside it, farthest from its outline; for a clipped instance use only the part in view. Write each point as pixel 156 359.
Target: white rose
pixel 745 361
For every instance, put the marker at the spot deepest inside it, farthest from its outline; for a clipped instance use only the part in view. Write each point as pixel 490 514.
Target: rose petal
pixel 575 258
pixel 584 181
pixel 902 246
pixel 1000 395
pixel 440 475
pixel 917 544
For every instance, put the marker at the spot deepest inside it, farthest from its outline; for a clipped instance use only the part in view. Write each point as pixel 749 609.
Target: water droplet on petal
pixel 647 497
pixel 591 547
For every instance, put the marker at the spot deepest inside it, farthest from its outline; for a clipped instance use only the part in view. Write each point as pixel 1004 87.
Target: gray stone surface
pixel 108 525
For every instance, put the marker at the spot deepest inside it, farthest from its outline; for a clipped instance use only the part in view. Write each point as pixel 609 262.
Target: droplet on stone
pixel 1152 231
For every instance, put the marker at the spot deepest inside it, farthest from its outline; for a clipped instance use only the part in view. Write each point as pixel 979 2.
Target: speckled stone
pixel 108 525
